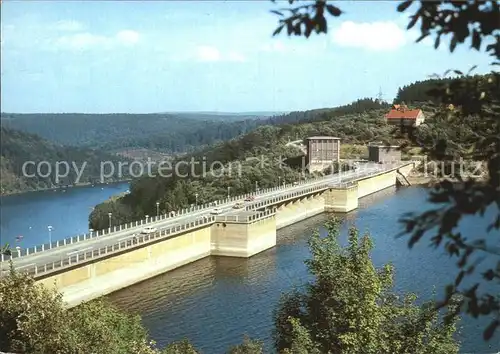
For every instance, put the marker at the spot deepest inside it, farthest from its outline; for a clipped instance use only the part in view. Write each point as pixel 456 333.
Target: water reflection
pixel 214 301
pixel 30 214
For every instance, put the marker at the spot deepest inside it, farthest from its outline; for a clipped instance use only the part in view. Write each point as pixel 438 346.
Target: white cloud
pixel 235 56
pixel 208 53
pixel 86 41
pixel 211 54
pixel 128 37
pixel 385 35
pixel 275 46
pixel 81 41
pixel 294 47
pixel 68 26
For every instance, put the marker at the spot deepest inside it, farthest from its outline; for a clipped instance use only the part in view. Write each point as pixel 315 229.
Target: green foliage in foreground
pixel 347 308
pixel 33 320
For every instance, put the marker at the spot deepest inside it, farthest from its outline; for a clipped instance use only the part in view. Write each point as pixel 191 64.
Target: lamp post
pixel 109 215
pixel 157 209
pixel 147 216
pixel 228 192
pixel 196 196
pixel 50 235
pixel 279 181
pixel 91 231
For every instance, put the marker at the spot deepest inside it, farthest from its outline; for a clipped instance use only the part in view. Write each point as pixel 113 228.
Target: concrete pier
pixel 342 199
pixel 256 232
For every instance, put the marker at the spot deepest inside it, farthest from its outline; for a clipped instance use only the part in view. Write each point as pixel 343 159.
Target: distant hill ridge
pixel 180 132
pixel 216 113
pixel 166 132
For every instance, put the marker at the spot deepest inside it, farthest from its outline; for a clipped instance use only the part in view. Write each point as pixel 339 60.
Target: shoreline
pixel 420 180
pixel 80 185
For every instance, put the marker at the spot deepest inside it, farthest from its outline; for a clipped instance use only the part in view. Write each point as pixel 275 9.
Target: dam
pixel 100 263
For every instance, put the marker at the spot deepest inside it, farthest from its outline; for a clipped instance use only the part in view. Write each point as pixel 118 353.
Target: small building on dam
pixel 322 151
pixel 383 153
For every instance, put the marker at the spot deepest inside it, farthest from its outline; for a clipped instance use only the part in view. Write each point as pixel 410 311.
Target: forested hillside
pixel 166 132
pixel 359 106
pixel 258 153
pixel 357 123
pixel 420 92
pixel 19 147
pixel 170 133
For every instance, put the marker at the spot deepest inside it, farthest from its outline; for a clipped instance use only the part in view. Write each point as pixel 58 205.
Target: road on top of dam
pixel 63 252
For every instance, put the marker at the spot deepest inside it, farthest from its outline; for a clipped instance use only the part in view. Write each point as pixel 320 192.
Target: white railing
pixel 245 218
pixel 132 242
pixel 137 224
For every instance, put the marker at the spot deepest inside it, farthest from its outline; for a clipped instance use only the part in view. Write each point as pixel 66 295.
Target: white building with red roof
pixel 402 115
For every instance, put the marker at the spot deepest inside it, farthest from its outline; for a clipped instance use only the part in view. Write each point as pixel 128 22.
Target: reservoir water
pixel 217 300
pixel 66 210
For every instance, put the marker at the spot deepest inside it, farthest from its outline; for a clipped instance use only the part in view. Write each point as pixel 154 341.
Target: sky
pixel 169 56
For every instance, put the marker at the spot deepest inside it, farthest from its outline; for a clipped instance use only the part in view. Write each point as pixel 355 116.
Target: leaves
pixel 404 5
pixel 437 18
pixel 476 40
pixel 34 320
pixel 349 306
pixel 333 10
pixel 278 30
pixel 248 346
pixel 5 249
pixel 413 21
pixel 453 43
pixel 469 131
pixel 488 333
pixel 437 42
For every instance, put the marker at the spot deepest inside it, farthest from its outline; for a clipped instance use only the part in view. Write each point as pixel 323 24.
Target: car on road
pixel 215 211
pixel 149 230
pixel 250 198
pixel 238 205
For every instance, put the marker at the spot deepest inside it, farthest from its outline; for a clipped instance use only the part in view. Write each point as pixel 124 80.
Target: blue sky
pixel 154 56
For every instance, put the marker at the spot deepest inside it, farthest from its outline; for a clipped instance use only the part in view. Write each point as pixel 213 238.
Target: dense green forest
pixel 172 133
pixel 422 92
pixel 168 132
pixel 19 147
pixel 258 153
pixel 143 131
